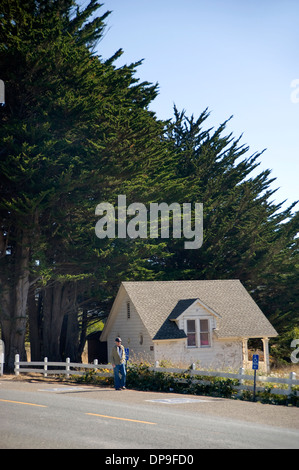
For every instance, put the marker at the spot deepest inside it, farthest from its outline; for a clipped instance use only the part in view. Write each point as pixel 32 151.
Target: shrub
pixel 142 378
pixel 91 377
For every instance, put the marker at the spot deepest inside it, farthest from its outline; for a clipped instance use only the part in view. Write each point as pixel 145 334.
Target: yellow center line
pixel 23 403
pixel 123 419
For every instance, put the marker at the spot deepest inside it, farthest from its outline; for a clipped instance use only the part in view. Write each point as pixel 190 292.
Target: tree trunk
pixel 83 333
pixel 71 344
pixel 52 321
pixel 14 295
pixel 35 323
pixel 58 301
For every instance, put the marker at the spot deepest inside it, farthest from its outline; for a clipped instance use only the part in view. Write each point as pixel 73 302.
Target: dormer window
pixel 198 332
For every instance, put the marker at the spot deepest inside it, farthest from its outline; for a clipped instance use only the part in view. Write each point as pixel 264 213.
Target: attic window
pixel 128 310
pixel 204 333
pixel 198 333
pixel 191 333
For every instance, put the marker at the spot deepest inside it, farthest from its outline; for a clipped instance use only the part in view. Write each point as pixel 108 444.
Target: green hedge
pixel 140 377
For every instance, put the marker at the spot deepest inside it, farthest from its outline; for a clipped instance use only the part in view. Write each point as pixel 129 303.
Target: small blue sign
pixel 127 352
pixel 255 361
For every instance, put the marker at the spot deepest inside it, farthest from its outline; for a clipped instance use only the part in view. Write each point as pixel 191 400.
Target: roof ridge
pixel 182 280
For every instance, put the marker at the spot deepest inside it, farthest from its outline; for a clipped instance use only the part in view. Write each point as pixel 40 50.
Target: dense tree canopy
pixel 75 131
pixel 246 236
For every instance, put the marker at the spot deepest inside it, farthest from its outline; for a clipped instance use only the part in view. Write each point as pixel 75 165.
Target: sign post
pixel 255 366
pixel 127 352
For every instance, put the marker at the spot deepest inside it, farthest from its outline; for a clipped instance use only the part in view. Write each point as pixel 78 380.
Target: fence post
pixel 45 366
pixel 67 367
pixel 156 363
pixel 1 363
pixel 241 372
pixel 17 365
pixel 192 368
pixel 292 377
pixel 241 382
pixel 2 356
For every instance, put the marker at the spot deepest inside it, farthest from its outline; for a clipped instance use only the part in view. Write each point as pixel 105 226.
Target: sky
pixel 237 58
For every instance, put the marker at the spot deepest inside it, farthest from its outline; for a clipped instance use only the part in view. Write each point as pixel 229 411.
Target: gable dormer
pixel 197 320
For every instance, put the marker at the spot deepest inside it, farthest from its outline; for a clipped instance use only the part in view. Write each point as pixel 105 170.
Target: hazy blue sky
pixel 236 57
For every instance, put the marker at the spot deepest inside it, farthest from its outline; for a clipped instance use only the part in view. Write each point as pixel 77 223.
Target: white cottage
pixel 206 322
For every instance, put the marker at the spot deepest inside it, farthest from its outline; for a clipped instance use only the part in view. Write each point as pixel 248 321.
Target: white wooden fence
pixel 67 368
pixel 72 368
pixel 241 377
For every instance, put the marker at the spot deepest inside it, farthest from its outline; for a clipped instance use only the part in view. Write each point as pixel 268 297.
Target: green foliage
pixel 140 377
pixel 281 349
pixel 75 131
pixel 91 377
pixel 215 387
pixel 246 235
pixel 271 398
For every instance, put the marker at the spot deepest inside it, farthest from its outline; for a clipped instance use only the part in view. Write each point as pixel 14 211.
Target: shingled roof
pixel 158 302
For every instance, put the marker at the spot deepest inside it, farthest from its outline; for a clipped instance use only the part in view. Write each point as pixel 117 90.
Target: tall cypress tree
pixel 61 133
pixel 245 236
pixel 74 131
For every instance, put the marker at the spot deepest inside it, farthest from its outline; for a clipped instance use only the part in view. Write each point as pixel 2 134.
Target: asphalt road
pixel 47 415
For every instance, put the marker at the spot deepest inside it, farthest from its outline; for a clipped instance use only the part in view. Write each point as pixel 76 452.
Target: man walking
pixel 118 361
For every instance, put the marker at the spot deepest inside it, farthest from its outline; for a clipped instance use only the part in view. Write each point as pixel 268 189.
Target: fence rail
pixel 73 368
pixel 291 381
pixel 67 368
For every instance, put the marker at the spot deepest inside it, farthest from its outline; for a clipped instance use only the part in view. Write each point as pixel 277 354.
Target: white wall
pixel 222 355
pixel 130 330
